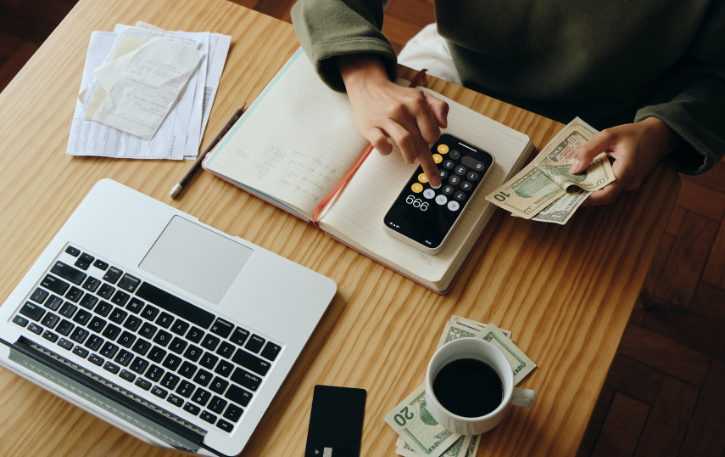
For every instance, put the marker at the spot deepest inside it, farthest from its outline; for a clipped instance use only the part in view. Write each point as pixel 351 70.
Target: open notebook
pixel 299 140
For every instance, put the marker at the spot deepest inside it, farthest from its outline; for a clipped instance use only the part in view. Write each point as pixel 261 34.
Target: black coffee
pixel 468 388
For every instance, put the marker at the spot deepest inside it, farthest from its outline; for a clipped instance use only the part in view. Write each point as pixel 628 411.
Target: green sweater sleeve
pixel 331 28
pixel 691 99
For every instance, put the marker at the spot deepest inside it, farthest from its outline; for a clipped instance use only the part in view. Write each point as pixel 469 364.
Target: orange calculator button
pixel 417 187
pixel 422 178
pixel 443 148
pixel 437 158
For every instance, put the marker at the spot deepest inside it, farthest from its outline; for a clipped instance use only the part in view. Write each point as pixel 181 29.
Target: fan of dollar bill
pixel 421 435
pixel 545 190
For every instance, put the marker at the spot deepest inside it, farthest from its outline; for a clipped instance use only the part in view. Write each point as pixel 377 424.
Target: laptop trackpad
pixel 196 259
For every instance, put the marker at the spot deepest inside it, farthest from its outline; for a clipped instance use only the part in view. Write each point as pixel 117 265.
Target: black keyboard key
pixel 239 336
pixel 127 375
pixel 126 339
pixel 117 315
pixel 159 392
pixel 217 405
pixel 255 343
pixel 226 349
pixel 251 362
pixel 150 312
pixel 139 365
pixel 120 298
pixel 180 327
pixel 111 331
pixel 187 370
pixel 201 396
pixel 95 360
pixel 37 329
pixel 20 320
pixel 82 264
pixel 103 308
pixel 80 352
pixel 65 344
pixel 74 294
pixel 50 336
pixel 238 395
pixel 68 309
pixel 68 273
pixel 191 408
pixel 112 275
pixel 132 323
pixel 100 264
pixel 106 291
pixel 193 353
pixel 147 330
pixel 141 347
pixel 33 311
pixel 233 413
pixel 54 284
pixel 176 401
pixel 172 362
pixel 222 328
pixel 65 327
pixel 165 320
pixel 174 304
pixel 124 358
pixel 209 360
pixel 108 350
pixel 170 381
pixel 162 338
pixel 82 317
pixel 246 379
pixel 129 283
pixel 112 367
pixel 203 378
pixel 50 320
pixel 225 426
pixel 54 302
pixel 155 373
pixel 208 417
pixel 91 284
pixel 88 301
pixel 135 305
pixel 142 383
pixel 87 258
pixel 210 342
pixel 185 389
pixel 96 324
pixel 79 335
pixel 72 251
pixel 157 354
pixel 39 295
pixel 219 385
pixel 178 345
pixel 195 334
pixel 224 368
pixel 94 342
pixel 270 351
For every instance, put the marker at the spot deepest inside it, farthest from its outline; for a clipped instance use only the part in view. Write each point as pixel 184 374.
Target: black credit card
pixel 336 422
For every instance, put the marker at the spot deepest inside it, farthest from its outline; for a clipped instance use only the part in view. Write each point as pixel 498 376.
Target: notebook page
pixel 358 214
pixel 296 142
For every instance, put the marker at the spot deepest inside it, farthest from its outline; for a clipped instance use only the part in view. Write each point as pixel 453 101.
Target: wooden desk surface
pixel 565 292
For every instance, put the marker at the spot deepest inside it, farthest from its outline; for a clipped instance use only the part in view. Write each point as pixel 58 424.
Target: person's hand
pixel 385 110
pixel 636 149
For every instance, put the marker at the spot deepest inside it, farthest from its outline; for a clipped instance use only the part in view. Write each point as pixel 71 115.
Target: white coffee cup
pixel 474 348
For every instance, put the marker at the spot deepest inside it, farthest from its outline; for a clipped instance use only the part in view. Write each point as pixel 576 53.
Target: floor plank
pixel 715 269
pixel 702 200
pixel 714 178
pixel 659 262
pixel 13 65
pixel 634 378
pixel 705 436
pixel 668 419
pixel 675 222
pixel 709 301
pixel 622 428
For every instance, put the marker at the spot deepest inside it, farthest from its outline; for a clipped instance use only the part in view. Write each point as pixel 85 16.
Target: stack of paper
pixel 118 115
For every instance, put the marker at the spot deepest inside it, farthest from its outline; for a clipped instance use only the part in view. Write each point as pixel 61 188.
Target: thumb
pixel 439 108
pixel 592 148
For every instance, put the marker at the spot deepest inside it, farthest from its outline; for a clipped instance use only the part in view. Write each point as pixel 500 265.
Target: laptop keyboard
pixel 180 353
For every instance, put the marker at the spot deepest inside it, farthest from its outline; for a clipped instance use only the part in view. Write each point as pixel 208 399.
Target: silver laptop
pixel 163 326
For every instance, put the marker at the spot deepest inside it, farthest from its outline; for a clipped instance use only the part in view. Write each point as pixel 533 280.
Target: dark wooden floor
pixel 665 392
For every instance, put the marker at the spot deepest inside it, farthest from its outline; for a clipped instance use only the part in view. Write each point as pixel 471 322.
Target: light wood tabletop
pixel 566 292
